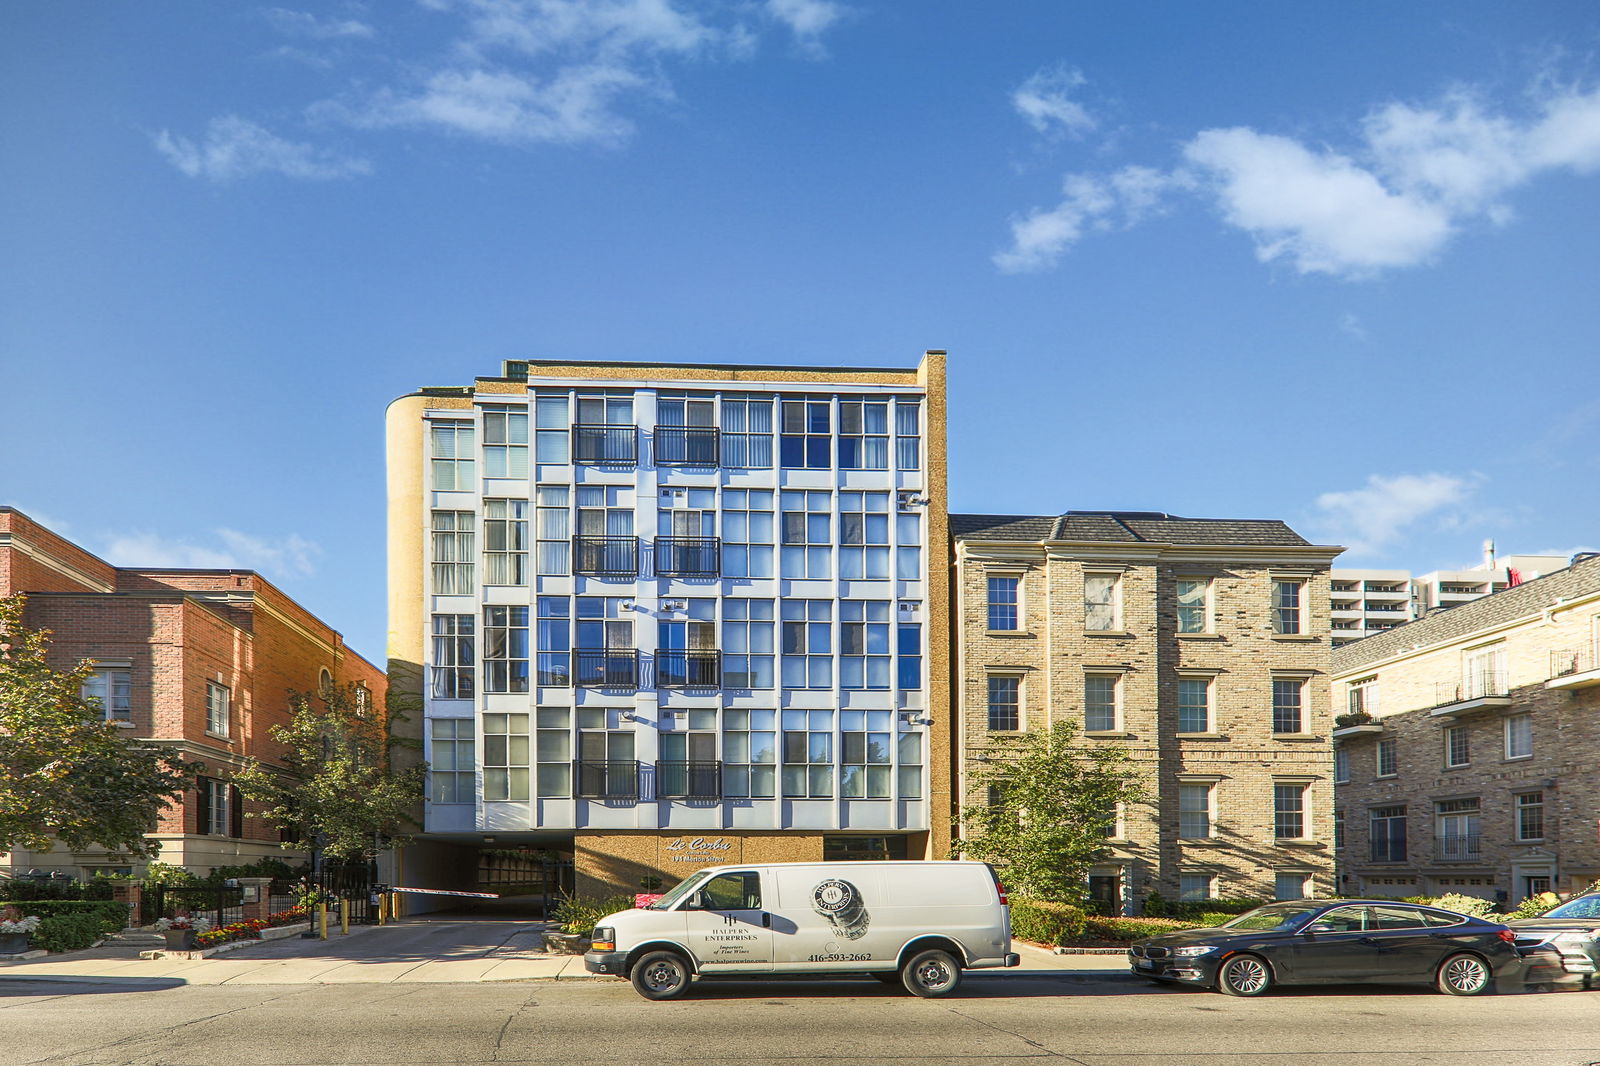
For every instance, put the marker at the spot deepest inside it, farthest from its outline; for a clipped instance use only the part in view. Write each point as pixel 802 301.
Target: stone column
pixel 132 894
pixel 257 897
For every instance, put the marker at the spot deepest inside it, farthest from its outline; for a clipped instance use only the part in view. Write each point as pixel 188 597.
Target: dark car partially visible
pixel 1563 944
pixel 1335 942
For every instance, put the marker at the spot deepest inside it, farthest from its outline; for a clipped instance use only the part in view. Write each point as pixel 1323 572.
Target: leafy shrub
pixel 1455 901
pixel 164 873
pixel 578 915
pixel 1122 930
pixel 72 931
pixel 1156 906
pixel 1045 921
pixel 113 913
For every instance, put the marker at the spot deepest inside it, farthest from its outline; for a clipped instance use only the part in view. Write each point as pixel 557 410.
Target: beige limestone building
pixel 1468 746
pixel 1199 644
pixel 664 616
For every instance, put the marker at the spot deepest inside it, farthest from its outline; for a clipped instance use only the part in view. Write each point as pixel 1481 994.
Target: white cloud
pixel 1318 209
pixel 1045 102
pixel 1088 202
pixel 1394 197
pixel 1352 325
pixel 290 556
pixel 808 20
pixel 302 24
pixel 236 148
pixel 1370 517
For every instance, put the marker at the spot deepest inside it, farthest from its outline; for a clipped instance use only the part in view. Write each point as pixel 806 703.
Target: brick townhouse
pixel 202 661
pixel 1201 645
pixel 1468 746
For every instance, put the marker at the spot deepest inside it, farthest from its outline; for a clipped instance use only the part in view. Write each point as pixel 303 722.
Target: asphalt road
pixel 1111 1020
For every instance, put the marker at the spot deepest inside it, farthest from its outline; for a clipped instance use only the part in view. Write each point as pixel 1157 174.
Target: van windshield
pixel 683 888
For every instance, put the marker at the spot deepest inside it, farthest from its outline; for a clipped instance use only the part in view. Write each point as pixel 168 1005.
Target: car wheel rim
pixel 1247 975
pixel 661 976
pixel 933 975
pixel 1465 975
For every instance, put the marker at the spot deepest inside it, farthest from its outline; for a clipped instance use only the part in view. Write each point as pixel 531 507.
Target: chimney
pixel 1488 555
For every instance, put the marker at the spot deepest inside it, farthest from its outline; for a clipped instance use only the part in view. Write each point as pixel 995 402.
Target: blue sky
pixel 1331 263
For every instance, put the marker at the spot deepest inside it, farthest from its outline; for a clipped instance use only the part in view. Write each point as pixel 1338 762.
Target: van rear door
pixel 728 928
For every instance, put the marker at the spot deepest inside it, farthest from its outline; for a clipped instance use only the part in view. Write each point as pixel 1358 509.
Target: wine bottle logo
pixel 840 902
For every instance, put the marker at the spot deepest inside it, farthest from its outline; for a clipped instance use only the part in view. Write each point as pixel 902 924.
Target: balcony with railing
pixel 688 556
pixel 605 445
pixel 1481 690
pixel 689 780
pixel 610 780
pixel 1574 668
pixel 691 668
pixel 610 668
pixel 1458 847
pixel 606 556
pixel 686 446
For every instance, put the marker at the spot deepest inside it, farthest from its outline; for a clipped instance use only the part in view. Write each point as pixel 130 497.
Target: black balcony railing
pixel 685 446
pixel 614 668
pixel 688 556
pixel 606 556
pixel 1477 686
pixel 688 669
pixel 616 779
pixel 606 445
pixel 689 780
pixel 1571 661
pixel 1459 846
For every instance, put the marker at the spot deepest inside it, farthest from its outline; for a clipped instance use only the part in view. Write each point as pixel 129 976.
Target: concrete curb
pixel 275 933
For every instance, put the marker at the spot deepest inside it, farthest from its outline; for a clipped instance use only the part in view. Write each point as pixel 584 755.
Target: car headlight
pixel 1190 952
pixel 603 938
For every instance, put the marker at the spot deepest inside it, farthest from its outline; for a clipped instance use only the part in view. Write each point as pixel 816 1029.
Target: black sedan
pixel 1563 943
pixel 1312 941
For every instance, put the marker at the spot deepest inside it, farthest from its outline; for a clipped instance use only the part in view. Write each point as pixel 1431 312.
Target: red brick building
pixel 200 660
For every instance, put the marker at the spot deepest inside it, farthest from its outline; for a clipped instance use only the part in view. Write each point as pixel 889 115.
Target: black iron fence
pixel 611 780
pixel 218 903
pixel 609 445
pixel 689 779
pixel 688 556
pixel 692 668
pixel 685 446
pixel 606 556
pixel 608 668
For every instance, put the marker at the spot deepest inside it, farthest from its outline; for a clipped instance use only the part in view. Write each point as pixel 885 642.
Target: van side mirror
pixel 1318 927
pixel 697 902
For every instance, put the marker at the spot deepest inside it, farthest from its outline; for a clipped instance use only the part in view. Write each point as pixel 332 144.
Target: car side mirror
pixel 1318 927
pixel 697 902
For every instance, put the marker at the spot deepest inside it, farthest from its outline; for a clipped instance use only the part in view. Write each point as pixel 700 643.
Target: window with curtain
pixel 554 641
pixel 749 753
pixel 908 435
pixel 505 536
pixel 1194 811
pixel 807 525
pixel 807 637
pixel 452 667
pixel 453 552
pixel 1194 615
pixel 808 754
pixel 553 526
pixel 112 686
pixel 1286 608
pixel 1289 811
pixel 552 430
pixel 747 433
pixel 505 649
pixel 553 752
pixel 864 644
pixel 451 451
pixel 863 435
pixel 1100 602
pixel 864 763
pixel 505 442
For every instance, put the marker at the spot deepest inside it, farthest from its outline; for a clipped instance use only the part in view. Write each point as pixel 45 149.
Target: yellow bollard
pixel 322 919
pixel 344 920
pixel 394 906
pixel 383 908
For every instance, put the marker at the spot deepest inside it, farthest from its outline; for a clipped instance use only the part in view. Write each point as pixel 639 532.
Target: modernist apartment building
pixel 662 616
pixel 1200 645
pixel 1371 601
pixel 1468 746
pixel 202 661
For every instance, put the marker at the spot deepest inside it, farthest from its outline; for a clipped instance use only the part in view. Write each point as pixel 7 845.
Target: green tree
pixel 66 774
pixel 1049 802
pixel 339 789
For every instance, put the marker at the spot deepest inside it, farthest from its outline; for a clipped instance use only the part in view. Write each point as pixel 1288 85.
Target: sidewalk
pixel 387 955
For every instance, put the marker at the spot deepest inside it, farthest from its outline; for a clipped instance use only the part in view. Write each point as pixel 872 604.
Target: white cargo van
pixel 919 923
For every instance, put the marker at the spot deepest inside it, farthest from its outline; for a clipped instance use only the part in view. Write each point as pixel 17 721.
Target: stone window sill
pixel 1297 842
pixel 1297 736
pixel 1115 634
pixel 1007 633
pixel 1202 736
pixel 219 736
pixel 1201 636
pixel 1107 733
pixel 1296 638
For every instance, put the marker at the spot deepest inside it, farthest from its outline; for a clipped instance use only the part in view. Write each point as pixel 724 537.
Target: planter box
pixel 180 939
pixel 13 943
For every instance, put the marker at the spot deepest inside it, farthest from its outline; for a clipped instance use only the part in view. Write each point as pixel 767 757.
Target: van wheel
pixel 1463 975
pixel 660 975
pixel 931 973
pixel 1244 975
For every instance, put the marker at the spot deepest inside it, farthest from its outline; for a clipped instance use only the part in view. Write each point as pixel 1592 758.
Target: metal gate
pixel 351 884
pixel 221 904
